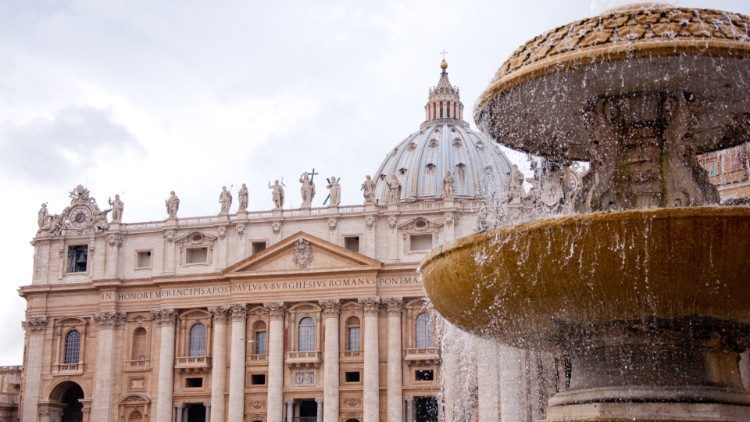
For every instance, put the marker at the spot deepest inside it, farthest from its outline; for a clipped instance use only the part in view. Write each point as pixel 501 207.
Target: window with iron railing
pixel 197 342
pixel 72 352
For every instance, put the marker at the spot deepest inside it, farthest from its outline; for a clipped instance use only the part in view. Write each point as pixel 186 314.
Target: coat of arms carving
pixel 302 254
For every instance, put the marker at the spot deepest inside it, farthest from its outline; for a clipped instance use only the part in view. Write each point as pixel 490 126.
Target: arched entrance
pixel 68 394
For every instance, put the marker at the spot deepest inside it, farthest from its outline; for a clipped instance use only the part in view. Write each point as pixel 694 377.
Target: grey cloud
pixel 62 148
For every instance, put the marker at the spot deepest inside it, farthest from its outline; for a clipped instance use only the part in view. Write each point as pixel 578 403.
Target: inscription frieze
pixel 260 287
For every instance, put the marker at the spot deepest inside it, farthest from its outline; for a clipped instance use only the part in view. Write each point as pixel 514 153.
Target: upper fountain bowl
pixel 541 99
pixel 527 284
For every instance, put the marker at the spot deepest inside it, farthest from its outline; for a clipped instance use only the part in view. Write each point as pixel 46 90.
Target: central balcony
pixel 422 356
pixel 193 364
pixel 298 359
pixel 69 368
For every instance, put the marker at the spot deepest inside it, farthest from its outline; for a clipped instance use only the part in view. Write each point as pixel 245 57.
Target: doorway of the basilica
pixel 426 409
pixel 69 395
pixel 195 412
pixel 308 411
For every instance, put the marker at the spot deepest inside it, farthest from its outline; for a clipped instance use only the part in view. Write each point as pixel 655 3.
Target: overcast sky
pixel 143 97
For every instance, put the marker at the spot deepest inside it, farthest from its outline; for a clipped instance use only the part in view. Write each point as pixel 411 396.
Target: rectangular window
pixel 258 379
pixel 352 243
pixel 352 339
pixel 193 382
pixel 420 242
pixel 143 259
pixel 77 258
pixel 196 255
pixel 258 246
pixel 260 342
pixel 351 376
pixel 424 375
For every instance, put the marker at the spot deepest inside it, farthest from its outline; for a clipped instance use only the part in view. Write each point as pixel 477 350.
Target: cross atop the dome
pixel 443 53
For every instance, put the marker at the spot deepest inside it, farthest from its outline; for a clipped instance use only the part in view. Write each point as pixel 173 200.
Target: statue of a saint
pixel 394 189
pixel 334 189
pixel 100 220
pixel 514 191
pixel 173 204
pixel 225 200
pixel 242 197
pixel 55 225
pixel 277 193
pixel 42 215
pixel 307 190
pixel 117 208
pixel 449 186
pixel 368 190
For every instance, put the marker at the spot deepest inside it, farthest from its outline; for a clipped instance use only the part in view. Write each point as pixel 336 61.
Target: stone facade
pixel 729 170
pixel 310 314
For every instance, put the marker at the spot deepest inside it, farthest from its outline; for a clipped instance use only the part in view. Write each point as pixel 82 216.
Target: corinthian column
pixel 237 364
pixel 395 399
pixel 275 399
pixel 219 362
pixel 104 371
pixel 32 367
pixel 371 383
pixel 331 361
pixel 165 320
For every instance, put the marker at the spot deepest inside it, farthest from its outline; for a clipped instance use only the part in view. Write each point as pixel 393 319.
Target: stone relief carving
pixel 334 189
pixel 240 230
pixel 243 197
pixel 392 222
pixel 304 378
pixel 115 240
pixel 275 309
pixel 164 316
pixel 169 235
pixel 219 313
pixel 222 231
pixel 109 319
pixel 371 305
pixel 394 305
pixel 225 201
pixel 302 253
pixel 173 205
pixel 276 227
pixel 370 221
pixel 239 311
pixel 368 190
pixel 332 222
pixel 331 307
pixel 36 324
pixel 277 194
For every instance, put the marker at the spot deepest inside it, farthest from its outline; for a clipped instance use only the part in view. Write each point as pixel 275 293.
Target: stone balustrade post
pixel 104 370
pixel 165 319
pixel 395 386
pixel 237 364
pixel 371 383
pixel 218 363
pixel 275 400
pixel 330 361
pixel 35 328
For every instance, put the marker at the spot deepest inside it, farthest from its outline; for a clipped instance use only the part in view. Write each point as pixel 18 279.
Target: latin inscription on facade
pixel 265 286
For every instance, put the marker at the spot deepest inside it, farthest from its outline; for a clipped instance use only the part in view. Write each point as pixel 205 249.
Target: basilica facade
pixel 287 314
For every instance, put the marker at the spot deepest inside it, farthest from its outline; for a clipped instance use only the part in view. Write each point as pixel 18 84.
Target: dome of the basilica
pixel 443 143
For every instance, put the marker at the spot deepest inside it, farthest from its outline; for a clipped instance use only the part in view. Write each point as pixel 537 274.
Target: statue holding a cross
pixel 308 188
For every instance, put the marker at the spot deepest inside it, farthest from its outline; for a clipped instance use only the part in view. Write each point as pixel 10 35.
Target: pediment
pixel 304 253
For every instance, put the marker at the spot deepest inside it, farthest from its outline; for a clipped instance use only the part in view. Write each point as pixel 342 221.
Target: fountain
pixel 644 290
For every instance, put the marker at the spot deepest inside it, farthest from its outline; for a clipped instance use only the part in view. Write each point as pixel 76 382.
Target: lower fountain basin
pixel 528 286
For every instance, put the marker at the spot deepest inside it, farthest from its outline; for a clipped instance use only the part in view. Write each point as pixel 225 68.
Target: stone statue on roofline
pixel 242 198
pixel 334 189
pixel 117 207
pixel 173 205
pixel 307 190
pixel 225 200
pixel 368 190
pixel 277 194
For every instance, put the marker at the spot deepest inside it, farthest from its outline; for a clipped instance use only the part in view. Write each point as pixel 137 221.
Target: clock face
pixel 79 216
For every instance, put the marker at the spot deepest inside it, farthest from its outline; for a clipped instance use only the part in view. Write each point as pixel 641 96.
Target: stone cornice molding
pixel 219 313
pixel 109 319
pixel 164 316
pixel 394 305
pixel 371 305
pixel 331 308
pixel 36 324
pixel 239 311
pixel 275 309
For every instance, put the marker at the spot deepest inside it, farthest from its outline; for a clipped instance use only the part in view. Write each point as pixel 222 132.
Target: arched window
pixel 352 334
pixel 139 344
pixel 424 331
pixel 306 335
pixel 197 346
pixel 72 347
pixel 259 333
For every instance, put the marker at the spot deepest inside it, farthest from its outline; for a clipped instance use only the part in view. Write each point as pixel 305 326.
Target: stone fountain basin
pixel 527 284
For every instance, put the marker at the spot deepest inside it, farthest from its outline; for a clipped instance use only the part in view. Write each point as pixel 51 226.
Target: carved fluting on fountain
pixel 648 302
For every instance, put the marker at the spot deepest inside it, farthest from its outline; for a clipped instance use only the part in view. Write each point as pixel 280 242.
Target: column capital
pixel 35 324
pixel 319 401
pixel 109 319
pixel 275 309
pixel 289 402
pixel 239 311
pixel 219 313
pixel 331 308
pixel 395 305
pixel 371 305
pixel 164 316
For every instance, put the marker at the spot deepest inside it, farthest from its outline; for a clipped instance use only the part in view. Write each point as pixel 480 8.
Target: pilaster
pixel 237 363
pixel 35 328
pixel 275 405
pixel 331 312
pixel 395 374
pixel 219 362
pixel 371 382
pixel 165 319
pixel 104 372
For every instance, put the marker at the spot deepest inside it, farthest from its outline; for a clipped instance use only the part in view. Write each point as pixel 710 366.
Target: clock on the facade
pixel 79 216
